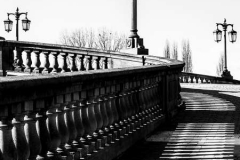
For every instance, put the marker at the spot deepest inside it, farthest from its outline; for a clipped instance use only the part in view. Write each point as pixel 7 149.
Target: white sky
pixel 158 20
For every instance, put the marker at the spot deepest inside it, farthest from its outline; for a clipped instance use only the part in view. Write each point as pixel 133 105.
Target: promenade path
pixel 209 127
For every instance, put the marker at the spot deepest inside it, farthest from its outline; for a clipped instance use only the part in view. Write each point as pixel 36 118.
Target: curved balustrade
pixel 22 58
pixel 81 115
pixel 200 78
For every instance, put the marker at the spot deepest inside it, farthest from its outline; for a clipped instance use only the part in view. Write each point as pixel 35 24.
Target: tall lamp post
pixel 232 38
pixel 25 22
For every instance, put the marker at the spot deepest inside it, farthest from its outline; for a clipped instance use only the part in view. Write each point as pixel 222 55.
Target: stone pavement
pixel 209 127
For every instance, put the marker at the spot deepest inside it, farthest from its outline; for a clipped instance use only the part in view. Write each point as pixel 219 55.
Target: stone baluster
pixel 127 108
pixel 61 126
pixel 52 129
pixel 181 79
pixel 146 101
pixel 157 100
pixel 63 62
pixel 109 112
pixel 69 120
pixel 142 105
pixel 105 63
pixel 89 120
pixel 103 108
pixel 201 79
pixel 114 126
pixel 77 118
pixel 89 62
pixel 197 78
pixel 153 96
pixel 99 119
pixel 83 140
pixel 28 62
pixel 159 95
pixel 136 105
pixel 45 62
pixel 101 62
pixel 131 107
pixel 36 62
pixel 141 121
pixel 7 148
pixel 191 78
pixel 72 59
pixel 96 63
pixel 30 130
pixel 42 130
pixel 122 113
pixel 81 66
pixel 186 79
pixel 133 110
pixel 55 62
pixel 18 62
pixel 153 99
pixel 19 138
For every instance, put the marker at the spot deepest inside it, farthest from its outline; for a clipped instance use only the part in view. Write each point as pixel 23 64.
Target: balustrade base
pixel 116 149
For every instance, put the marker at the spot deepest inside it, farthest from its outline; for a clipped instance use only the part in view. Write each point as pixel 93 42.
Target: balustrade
pixel 80 115
pixel 199 78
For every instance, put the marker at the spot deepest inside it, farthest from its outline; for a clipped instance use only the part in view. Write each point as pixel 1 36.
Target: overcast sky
pixel 158 21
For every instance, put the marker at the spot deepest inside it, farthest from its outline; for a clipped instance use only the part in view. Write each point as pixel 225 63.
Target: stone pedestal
pixel 227 75
pixel 137 51
pixel 135 46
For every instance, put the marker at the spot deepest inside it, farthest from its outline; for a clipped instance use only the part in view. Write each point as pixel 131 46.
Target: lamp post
pixel 232 38
pixel 25 22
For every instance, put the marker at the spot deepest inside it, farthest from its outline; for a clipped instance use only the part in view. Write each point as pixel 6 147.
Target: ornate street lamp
pixel 232 38
pixel 217 35
pixel 25 22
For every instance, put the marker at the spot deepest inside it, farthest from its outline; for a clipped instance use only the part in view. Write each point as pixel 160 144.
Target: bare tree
pixel 167 49
pixel 187 56
pixel 175 51
pixel 103 39
pixel 220 65
pixel 76 38
pixel 90 38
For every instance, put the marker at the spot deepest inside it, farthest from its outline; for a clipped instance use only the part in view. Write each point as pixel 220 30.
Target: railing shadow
pixel 206 129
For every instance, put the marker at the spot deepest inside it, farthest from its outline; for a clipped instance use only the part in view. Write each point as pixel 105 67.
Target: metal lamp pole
pixel 232 36
pixel 25 22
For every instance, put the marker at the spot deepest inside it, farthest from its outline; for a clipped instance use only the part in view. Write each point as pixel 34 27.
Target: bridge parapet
pixel 75 115
pixel 22 58
pixel 200 78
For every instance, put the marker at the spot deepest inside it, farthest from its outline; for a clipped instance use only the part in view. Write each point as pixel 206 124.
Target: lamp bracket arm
pixel 22 13
pixel 10 14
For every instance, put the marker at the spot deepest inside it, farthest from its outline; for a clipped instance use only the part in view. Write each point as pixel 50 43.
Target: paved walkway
pixel 209 127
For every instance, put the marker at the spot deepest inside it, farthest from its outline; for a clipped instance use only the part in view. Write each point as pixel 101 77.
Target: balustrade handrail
pixel 82 50
pixel 76 115
pixel 194 78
